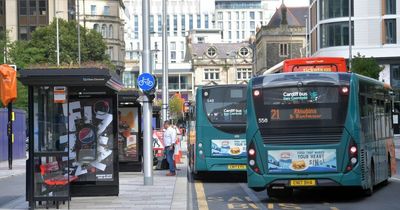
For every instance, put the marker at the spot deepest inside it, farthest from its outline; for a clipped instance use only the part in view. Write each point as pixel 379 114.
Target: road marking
pixel 252 196
pixel 334 208
pixel 201 196
pixel 270 206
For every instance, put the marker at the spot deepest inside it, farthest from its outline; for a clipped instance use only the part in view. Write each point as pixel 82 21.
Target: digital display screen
pixel 277 114
pixel 315 68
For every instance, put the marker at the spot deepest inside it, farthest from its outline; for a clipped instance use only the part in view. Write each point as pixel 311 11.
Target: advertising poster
pixel 90 138
pixel 228 147
pixel 128 133
pixel 286 161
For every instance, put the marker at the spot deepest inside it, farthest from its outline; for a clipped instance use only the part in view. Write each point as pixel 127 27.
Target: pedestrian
pixel 169 142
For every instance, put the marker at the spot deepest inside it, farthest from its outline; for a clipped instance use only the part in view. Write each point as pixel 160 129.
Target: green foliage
pixel 365 66
pixel 175 107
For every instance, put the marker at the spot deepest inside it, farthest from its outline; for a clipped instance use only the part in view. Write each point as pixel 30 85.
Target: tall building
pixel 283 38
pixel 240 19
pixel 182 16
pixel 21 17
pixel 374 32
pixel 106 17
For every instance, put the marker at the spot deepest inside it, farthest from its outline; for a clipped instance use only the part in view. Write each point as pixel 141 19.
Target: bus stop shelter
pixel 73 133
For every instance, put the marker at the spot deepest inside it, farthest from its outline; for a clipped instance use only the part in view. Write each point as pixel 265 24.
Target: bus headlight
pixel 353 160
pixel 200 145
pixel 200 152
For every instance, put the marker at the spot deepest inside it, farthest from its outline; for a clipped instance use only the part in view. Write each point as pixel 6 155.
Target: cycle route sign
pixel 146 81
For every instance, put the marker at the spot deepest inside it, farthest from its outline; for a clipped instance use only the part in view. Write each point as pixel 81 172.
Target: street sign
pixel 146 81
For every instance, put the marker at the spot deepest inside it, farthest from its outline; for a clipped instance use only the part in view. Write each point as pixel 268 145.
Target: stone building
pixel 283 38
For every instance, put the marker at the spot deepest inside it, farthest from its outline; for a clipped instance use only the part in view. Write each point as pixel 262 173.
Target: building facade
pixel 375 29
pixel 283 38
pixel 221 63
pixel 21 17
pixel 106 17
pixel 240 19
pixel 182 16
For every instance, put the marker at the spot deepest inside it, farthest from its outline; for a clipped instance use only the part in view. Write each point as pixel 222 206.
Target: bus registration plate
pixel 236 167
pixel 303 182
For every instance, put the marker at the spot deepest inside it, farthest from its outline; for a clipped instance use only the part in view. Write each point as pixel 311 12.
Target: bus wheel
pixel 370 190
pixel 277 193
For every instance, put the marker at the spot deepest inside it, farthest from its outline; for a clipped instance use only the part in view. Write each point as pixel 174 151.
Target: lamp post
pixel 58 39
pixel 350 36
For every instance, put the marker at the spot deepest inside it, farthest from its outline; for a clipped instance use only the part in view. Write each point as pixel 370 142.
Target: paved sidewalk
pixel 18 167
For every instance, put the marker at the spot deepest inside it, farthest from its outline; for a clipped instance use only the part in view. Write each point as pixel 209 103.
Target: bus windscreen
pixel 225 105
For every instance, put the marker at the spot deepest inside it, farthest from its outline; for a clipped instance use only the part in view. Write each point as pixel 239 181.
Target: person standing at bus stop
pixel 169 141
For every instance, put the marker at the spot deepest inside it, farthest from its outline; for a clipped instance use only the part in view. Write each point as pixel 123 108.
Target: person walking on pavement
pixel 169 141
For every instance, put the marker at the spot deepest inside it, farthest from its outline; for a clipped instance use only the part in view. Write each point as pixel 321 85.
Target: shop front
pixel 73 133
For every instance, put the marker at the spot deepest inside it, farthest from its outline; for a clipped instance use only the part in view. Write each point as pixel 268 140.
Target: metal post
pixel 58 41
pixel 305 16
pixel 164 63
pixel 147 106
pixel 79 34
pixel 10 136
pixel 350 36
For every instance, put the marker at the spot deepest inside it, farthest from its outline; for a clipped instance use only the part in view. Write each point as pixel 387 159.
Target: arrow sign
pixel 146 81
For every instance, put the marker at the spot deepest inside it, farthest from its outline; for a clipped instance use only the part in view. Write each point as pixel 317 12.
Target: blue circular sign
pixel 146 81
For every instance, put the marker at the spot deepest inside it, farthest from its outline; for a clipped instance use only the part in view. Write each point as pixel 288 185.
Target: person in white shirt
pixel 169 141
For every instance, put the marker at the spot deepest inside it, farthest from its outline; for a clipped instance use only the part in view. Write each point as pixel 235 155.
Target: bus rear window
pixel 225 105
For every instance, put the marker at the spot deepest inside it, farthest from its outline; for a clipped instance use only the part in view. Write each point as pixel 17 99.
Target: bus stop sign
pixel 146 81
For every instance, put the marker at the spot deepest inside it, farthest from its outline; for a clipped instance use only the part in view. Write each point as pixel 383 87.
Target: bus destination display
pixel 278 114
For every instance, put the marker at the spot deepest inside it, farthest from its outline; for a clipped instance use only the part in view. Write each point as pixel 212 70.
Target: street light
pixel 58 39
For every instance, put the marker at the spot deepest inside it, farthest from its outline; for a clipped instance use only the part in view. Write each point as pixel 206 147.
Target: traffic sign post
pixel 146 82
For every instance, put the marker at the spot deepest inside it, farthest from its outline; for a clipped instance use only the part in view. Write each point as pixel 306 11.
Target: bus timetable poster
pixel 287 161
pixel 228 147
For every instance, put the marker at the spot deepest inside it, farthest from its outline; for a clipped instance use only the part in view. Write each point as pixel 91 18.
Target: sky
pixel 297 3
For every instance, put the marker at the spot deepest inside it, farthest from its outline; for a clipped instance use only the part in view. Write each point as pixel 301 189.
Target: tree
pixel 175 106
pixel 365 66
pixel 41 49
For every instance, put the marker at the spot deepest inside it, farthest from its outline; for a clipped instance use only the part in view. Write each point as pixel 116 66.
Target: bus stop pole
pixel 10 136
pixel 164 62
pixel 147 106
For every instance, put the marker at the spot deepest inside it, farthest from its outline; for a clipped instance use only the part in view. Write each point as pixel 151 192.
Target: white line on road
pixel 252 196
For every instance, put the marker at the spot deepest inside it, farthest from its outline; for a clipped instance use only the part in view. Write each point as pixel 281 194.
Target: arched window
pixel 96 27
pixel 110 31
pixel 104 30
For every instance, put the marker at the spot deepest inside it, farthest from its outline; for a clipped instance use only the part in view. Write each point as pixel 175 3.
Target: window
pixel 243 15
pixel 244 51
pixel 219 16
pixel 190 22
pixel 42 7
pixel 229 34
pixel 243 34
pixel 175 25
pixel 237 34
pixel 110 32
pixel 395 75
pixel 390 7
pixel 93 9
pixel 237 25
pixel 229 25
pixel 23 7
pixel 182 48
pixel 390 31
pixel 206 21
pixel 159 17
pixel 283 50
pixel 111 52
pixel 151 23
pixel 104 30
pixel 252 16
pixel 237 15
pixel 335 34
pixel 106 10
pixel 173 57
pixel 23 33
pixel 243 73
pixel 168 24
pixel 334 8
pixel 211 74
pixel 220 25
pixel 229 16
pixel 260 14
pixel 183 24
pixel 243 25
pixel 172 46
pixel 252 25
pixel 211 52
pixel 198 21
pixel 32 7
pixel 96 27
pixel 136 27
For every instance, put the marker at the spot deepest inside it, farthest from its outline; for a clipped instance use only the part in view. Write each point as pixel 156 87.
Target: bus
pixel 217 142
pixel 318 129
pixel 310 64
